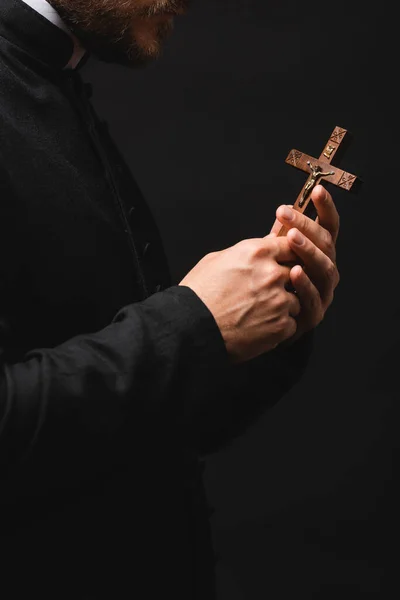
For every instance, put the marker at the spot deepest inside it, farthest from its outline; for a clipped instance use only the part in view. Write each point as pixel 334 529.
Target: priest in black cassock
pixel 115 382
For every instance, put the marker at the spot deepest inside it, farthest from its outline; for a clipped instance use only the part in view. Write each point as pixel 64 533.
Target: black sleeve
pixel 73 409
pixel 71 412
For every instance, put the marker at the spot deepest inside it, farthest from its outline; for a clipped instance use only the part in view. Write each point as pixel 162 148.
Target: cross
pixel 321 169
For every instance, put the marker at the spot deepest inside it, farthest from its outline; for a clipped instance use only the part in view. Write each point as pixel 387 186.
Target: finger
pixel 321 270
pixel 279 249
pixel 328 216
pixel 308 295
pixel 277 226
pixel 311 229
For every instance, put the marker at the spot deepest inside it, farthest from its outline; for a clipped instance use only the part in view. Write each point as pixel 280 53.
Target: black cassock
pixel 115 381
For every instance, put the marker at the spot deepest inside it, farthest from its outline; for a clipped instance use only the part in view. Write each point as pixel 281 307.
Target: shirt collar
pixel 48 12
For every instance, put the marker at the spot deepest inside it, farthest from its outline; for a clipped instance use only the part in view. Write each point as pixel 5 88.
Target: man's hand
pixel 245 288
pixel 314 242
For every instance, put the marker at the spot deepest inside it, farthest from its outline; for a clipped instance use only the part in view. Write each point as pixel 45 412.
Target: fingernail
pixel 298 238
pixel 287 213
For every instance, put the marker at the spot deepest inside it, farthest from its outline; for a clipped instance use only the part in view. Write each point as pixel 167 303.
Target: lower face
pixel 149 33
pixel 127 32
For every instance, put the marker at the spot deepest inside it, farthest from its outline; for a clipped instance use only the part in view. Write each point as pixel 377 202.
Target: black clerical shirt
pixel 114 381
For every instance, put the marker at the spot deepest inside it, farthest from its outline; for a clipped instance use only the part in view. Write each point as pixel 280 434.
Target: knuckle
pixel 331 272
pixel 255 247
pixel 246 249
pixel 327 239
pixel 274 272
pixel 285 328
pixel 273 246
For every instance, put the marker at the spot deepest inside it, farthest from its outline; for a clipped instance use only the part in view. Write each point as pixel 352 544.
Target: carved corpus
pixel 320 169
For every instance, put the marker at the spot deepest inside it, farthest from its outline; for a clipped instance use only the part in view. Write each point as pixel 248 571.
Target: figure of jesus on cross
pixel 320 169
pixel 316 174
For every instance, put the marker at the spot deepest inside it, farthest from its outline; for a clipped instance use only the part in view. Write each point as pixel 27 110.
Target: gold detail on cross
pixel 329 150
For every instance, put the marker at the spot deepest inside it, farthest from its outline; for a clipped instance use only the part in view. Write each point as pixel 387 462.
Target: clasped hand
pixel 246 286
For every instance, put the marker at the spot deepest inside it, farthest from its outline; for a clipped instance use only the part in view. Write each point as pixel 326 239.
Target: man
pixel 115 382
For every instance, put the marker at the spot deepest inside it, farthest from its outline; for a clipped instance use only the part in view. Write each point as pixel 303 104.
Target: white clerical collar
pixel 47 11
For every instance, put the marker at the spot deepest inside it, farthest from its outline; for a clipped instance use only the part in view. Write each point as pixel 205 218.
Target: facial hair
pixel 125 32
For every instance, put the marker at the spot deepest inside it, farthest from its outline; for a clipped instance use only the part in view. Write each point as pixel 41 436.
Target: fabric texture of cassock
pixel 115 382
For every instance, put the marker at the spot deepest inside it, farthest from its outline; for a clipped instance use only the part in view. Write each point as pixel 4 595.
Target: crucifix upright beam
pixel 320 169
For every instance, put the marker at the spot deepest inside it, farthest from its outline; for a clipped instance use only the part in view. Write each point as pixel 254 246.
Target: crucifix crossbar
pixel 321 169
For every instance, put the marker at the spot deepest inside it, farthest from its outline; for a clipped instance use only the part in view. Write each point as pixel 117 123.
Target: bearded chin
pixel 111 40
pixel 122 51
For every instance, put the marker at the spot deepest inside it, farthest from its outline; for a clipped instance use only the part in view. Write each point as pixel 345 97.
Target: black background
pixel 307 501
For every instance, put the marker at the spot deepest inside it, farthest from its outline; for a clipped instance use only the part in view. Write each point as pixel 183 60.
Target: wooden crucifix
pixel 320 169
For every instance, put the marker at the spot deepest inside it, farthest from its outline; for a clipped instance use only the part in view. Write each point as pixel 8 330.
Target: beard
pixel 125 32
